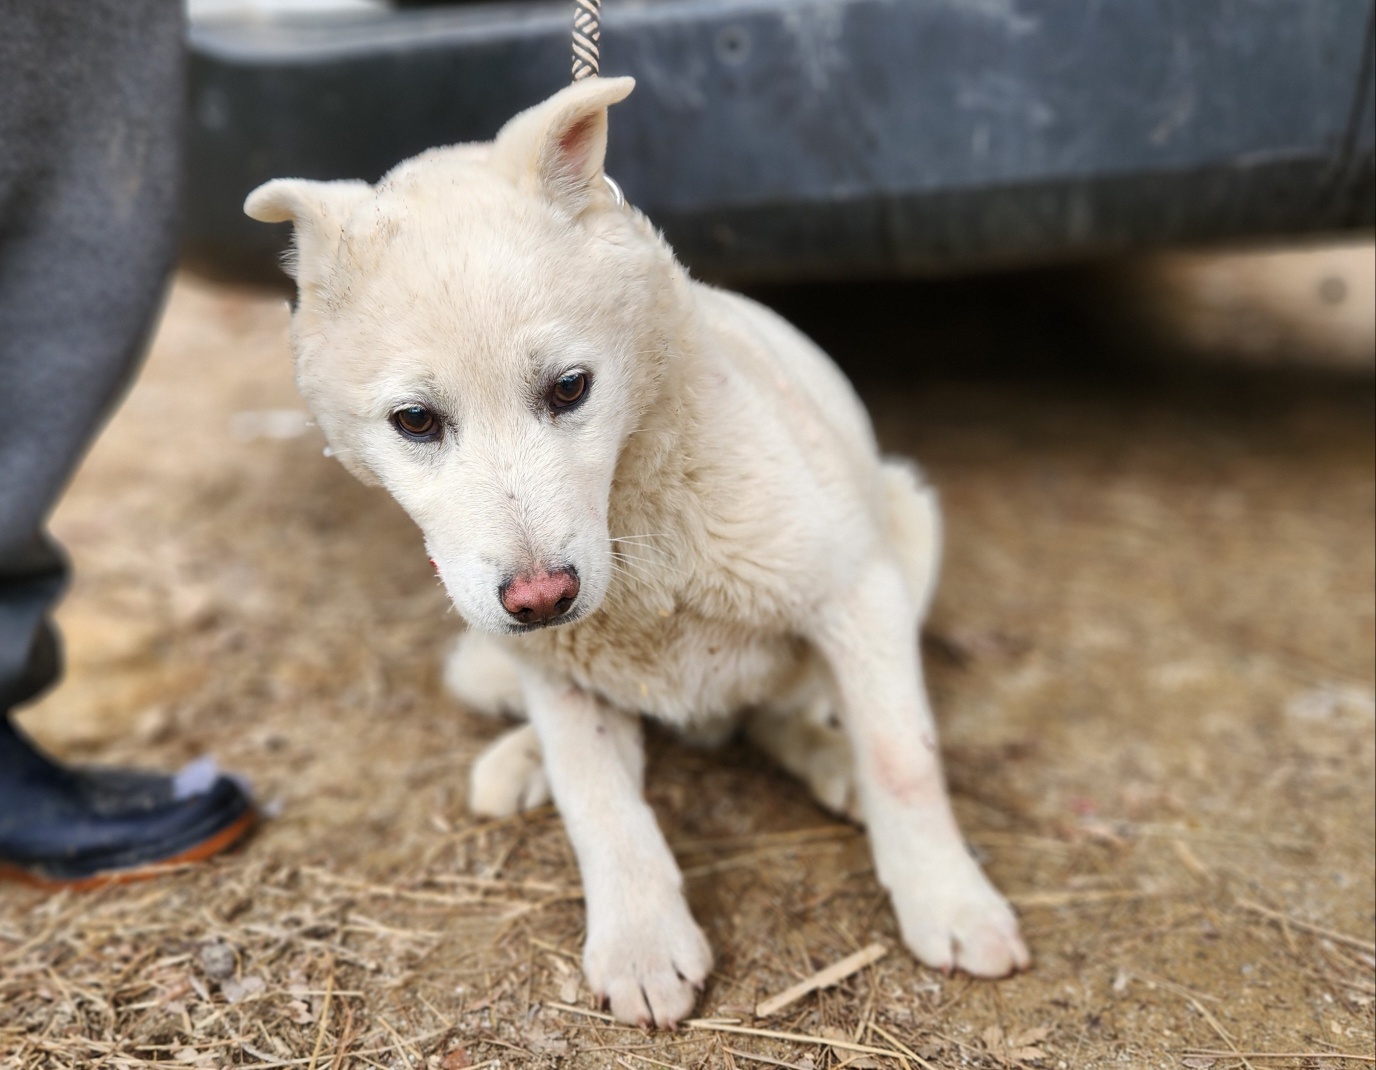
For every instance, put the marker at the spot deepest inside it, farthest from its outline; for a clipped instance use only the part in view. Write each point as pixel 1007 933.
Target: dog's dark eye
pixel 417 423
pixel 568 390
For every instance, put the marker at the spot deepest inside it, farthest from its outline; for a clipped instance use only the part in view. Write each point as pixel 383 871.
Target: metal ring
pixel 616 190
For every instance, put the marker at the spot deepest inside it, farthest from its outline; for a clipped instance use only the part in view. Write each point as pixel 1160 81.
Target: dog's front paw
pixel 650 974
pixel 509 776
pixel 953 918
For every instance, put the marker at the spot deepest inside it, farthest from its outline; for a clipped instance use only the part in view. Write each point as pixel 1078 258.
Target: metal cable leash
pixel 587 59
pixel 587 32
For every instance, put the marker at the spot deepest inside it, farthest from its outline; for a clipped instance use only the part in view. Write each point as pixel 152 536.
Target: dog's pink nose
pixel 539 597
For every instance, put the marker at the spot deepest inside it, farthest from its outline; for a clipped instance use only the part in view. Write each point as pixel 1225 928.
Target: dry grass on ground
pixel 1152 657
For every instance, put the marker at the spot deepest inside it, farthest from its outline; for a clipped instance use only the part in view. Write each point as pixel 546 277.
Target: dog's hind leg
pixel 509 776
pixel 804 736
pixel 481 673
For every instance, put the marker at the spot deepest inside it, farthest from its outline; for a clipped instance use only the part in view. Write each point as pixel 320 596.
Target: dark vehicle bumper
pixel 777 140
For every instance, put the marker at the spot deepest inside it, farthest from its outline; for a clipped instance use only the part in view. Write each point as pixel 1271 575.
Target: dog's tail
pixel 914 519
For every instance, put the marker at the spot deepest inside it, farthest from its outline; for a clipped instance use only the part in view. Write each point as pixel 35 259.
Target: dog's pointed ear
pixel 558 147
pixel 317 210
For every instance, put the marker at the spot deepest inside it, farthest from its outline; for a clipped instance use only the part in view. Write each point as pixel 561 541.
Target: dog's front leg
pixel 644 952
pixel 949 913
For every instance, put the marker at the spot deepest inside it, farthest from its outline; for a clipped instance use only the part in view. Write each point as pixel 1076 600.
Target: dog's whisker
pixel 653 573
pixel 632 563
pixel 647 568
pixel 638 561
pixel 639 545
pixel 650 567
pixel 628 576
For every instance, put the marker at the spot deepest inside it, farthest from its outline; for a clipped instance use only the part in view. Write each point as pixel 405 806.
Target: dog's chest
pixel 682 669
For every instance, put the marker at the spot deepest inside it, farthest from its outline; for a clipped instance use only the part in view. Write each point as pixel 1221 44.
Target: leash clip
pixel 616 190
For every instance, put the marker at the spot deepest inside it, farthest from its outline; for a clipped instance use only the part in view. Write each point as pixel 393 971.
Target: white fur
pixel 743 551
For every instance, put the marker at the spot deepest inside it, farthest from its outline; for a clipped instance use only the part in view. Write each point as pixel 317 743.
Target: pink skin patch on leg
pixel 912 779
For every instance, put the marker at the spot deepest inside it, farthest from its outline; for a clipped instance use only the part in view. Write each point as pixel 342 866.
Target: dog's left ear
pixel 557 148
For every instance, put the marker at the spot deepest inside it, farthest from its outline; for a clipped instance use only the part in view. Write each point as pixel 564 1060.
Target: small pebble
pixel 217 960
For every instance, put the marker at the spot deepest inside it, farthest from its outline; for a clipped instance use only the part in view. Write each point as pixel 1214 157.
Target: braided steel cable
pixel 587 32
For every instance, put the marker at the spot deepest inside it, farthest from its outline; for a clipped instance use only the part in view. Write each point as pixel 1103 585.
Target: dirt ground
pixel 1152 658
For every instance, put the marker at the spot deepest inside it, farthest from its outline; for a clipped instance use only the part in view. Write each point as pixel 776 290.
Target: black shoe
pixel 88 826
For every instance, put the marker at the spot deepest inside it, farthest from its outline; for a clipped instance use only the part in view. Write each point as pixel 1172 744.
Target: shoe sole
pixel 226 838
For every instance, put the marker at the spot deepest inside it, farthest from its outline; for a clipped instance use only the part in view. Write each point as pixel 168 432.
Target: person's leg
pixel 91 106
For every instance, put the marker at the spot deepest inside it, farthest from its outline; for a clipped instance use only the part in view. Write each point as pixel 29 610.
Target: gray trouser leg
pixel 91 98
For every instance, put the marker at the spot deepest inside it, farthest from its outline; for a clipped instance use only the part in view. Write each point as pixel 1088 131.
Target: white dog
pixel 645 496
